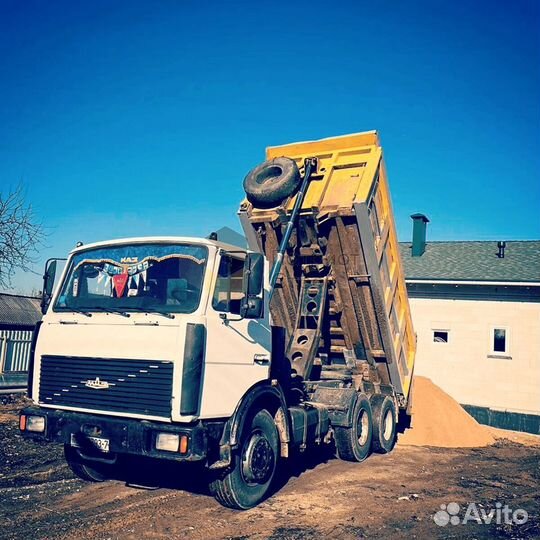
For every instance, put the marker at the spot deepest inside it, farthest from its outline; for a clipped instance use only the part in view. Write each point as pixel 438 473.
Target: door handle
pixel 261 359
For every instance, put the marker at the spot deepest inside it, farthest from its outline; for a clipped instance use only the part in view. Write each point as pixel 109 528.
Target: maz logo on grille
pixel 97 384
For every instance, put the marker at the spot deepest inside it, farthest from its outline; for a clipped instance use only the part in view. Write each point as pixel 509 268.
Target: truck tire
pixel 272 181
pixel 354 443
pixel 90 471
pixel 384 423
pixel 249 480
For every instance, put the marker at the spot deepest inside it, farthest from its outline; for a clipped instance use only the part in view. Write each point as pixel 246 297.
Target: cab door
pixel 237 350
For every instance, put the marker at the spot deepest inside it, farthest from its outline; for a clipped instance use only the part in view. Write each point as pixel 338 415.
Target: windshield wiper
pixel 150 310
pixel 107 310
pixel 111 310
pixel 76 310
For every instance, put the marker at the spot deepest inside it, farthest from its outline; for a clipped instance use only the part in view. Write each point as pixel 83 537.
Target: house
pixel 18 317
pixel 476 312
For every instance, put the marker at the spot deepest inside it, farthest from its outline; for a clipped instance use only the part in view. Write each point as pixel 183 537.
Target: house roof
pixel 474 261
pixel 19 310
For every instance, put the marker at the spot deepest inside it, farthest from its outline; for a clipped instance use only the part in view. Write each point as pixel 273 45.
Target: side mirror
pixel 49 278
pixel 253 274
pixel 252 304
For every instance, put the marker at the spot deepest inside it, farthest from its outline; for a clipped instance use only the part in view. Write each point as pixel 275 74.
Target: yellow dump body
pixel 347 208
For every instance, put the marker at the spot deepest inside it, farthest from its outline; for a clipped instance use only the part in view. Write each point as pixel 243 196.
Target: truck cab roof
pixel 159 240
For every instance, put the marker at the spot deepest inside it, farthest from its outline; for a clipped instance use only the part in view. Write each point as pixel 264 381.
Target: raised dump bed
pixel 341 294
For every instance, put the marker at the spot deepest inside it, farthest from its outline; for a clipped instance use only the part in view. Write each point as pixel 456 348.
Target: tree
pixel 21 235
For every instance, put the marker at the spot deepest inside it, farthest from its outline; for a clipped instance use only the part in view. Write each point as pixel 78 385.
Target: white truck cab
pixel 154 300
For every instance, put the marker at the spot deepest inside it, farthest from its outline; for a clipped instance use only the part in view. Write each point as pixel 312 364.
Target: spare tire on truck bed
pixel 272 181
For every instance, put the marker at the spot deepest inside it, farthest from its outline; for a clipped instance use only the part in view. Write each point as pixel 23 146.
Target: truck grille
pixel 107 384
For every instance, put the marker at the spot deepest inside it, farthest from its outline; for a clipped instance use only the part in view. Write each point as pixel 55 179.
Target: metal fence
pixel 15 350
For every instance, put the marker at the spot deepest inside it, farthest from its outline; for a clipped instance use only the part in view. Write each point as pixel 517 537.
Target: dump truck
pixel 197 351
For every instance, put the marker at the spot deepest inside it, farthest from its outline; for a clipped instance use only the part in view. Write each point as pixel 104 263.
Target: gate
pixel 15 350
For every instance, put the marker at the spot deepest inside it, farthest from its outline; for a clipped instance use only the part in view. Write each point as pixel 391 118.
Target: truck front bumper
pixel 92 433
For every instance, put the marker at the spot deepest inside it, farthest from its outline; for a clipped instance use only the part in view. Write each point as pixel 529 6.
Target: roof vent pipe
pixel 419 234
pixel 501 246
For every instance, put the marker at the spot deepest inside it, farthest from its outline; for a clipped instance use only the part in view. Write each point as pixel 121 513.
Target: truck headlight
pixel 172 442
pixel 168 441
pixel 35 423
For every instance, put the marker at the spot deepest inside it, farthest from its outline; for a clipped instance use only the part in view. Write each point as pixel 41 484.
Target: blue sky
pixel 142 118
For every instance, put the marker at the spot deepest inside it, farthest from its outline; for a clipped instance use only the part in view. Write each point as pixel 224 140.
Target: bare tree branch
pixel 21 235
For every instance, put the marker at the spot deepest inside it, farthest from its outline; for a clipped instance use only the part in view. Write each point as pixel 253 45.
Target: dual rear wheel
pixel 373 427
pixel 384 423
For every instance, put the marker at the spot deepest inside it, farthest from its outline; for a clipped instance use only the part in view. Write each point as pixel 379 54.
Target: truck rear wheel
pixel 88 470
pixel 384 423
pixel 272 181
pixel 354 443
pixel 249 480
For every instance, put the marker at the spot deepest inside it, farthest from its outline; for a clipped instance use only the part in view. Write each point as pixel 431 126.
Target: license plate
pixel 98 442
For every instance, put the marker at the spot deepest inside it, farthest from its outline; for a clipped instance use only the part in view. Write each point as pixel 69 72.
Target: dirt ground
pixel 387 496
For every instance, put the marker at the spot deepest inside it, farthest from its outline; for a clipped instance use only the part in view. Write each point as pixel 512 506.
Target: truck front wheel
pixel 354 443
pixel 249 480
pixel 90 471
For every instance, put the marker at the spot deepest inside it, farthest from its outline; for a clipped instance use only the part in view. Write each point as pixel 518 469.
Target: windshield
pixel 140 277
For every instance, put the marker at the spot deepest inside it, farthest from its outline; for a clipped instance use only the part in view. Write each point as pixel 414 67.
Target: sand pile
pixel 439 420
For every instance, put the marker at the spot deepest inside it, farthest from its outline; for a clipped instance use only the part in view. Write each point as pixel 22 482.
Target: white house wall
pixel 465 367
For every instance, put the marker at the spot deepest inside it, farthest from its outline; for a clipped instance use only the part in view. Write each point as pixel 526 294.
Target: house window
pixel 499 341
pixel 440 336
